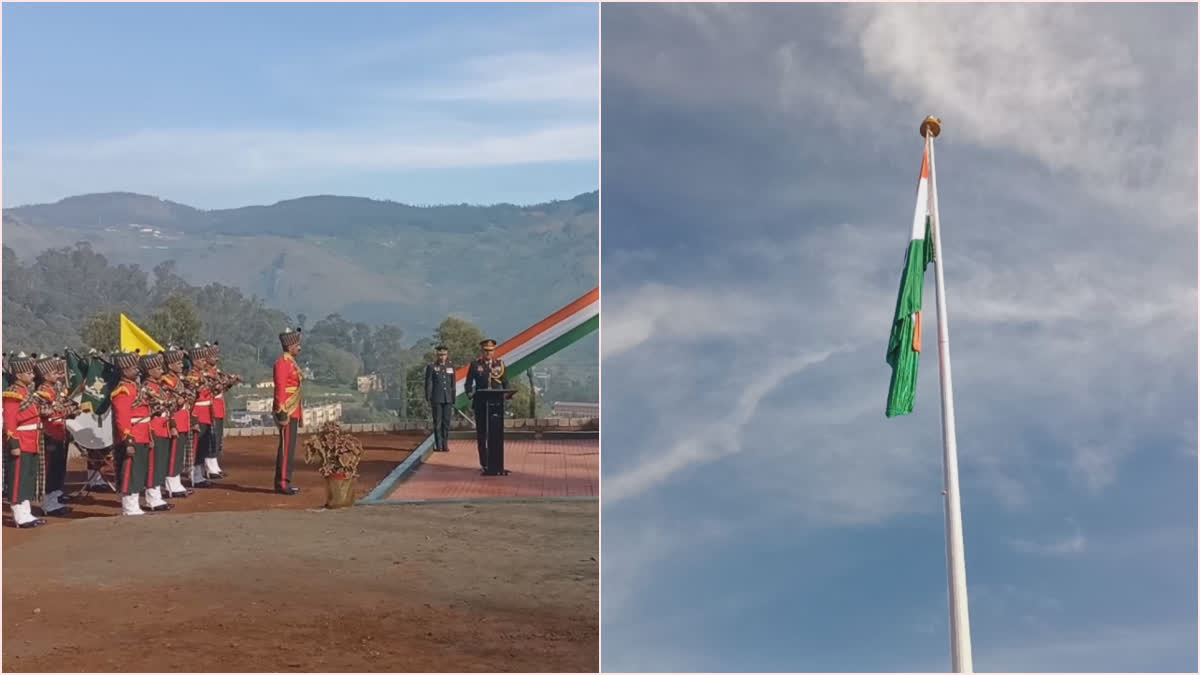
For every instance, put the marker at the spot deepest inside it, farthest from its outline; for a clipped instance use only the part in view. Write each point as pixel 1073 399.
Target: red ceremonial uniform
pixel 53 426
pixel 130 423
pixel 204 403
pixel 287 387
pixel 159 423
pixel 22 420
pixel 183 418
pixel 218 406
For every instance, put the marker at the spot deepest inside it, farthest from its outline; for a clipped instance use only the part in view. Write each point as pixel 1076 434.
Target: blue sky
pixel 221 105
pixel 760 165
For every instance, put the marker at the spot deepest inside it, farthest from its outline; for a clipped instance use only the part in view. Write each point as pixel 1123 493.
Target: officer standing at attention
pixel 440 393
pixel 485 372
pixel 289 411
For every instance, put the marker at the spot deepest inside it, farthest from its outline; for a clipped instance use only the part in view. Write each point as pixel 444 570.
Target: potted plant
pixel 338 454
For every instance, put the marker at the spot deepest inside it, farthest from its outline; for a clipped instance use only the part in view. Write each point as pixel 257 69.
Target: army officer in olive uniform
pixel 440 393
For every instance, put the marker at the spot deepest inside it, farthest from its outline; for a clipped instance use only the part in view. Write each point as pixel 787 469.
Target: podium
pixel 492 402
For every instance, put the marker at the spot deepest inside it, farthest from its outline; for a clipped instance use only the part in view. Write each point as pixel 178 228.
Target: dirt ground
pixel 212 587
pixel 250 463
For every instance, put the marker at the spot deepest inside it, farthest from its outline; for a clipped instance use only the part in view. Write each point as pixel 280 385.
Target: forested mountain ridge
pixel 502 267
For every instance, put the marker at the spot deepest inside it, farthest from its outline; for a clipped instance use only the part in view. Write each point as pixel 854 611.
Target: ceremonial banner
pixel 134 339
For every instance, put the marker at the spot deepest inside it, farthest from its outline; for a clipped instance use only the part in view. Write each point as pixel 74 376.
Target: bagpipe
pixel 161 401
pixel 218 382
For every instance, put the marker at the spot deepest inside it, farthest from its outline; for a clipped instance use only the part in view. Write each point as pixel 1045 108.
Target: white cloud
pixel 657 312
pixel 521 77
pixel 718 437
pixel 518 89
pixel 229 158
pixel 757 185
pixel 1082 91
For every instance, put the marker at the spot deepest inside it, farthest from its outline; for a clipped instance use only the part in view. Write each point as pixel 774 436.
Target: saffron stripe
pixel 535 343
pixel 917 334
pixel 589 298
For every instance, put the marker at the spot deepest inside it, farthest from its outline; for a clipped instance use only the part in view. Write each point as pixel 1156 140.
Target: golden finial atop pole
pixel 931 125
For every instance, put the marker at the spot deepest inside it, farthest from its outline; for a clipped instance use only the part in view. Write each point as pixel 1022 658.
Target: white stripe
pixel 552 333
pixel 540 340
pixel 918 231
pixel 29 427
pixel 203 403
pixel 139 420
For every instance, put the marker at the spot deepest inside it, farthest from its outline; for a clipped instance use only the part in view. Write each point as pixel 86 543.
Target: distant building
pixel 265 384
pixel 574 409
pixel 259 405
pixel 368 383
pixel 320 414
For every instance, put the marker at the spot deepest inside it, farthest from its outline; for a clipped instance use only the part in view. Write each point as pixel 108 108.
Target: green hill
pixel 378 262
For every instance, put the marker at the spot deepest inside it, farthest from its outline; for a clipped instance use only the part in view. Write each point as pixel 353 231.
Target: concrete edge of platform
pixel 479 500
pixel 398 474
pixel 418 457
pixel 526 434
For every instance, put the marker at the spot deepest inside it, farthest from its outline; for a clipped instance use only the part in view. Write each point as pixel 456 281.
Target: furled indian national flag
pixel 904 346
pixel 548 336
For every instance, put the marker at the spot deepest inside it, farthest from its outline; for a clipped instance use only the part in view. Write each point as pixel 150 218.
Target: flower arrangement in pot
pixel 338 454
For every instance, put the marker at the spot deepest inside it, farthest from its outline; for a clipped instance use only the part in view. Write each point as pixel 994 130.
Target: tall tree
pixel 175 322
pixel 102 331
pixel 461 337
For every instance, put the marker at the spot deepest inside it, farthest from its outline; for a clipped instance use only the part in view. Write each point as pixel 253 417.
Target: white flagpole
pixel 960 621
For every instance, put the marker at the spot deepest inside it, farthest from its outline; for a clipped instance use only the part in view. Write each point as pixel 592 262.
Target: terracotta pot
pixel 340 490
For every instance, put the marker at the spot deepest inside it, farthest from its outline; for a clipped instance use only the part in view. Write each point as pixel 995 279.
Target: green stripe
pixel 900 354
pixel 542 353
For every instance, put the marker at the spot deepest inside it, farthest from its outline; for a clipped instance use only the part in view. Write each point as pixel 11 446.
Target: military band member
pixel 225 382
pixel 74 408
pixel 22 439
pixel 161 418
pixel 52 408
pixel 288 410
pixel 7 373
pixel 440 393
pixel 131 434
pixel 181 429
pixel 202 437
pixel 485 372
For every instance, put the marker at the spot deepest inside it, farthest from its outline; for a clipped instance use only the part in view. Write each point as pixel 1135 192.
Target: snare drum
pixel 91 433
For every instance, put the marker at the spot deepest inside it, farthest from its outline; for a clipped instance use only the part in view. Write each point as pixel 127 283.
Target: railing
pixel 540 424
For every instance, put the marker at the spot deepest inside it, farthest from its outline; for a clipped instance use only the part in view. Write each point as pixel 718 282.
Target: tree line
pixel 72 297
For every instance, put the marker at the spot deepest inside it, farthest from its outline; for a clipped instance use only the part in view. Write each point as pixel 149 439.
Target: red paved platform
pixel 540 468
